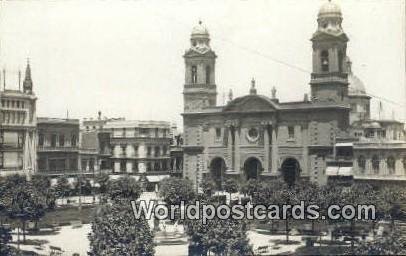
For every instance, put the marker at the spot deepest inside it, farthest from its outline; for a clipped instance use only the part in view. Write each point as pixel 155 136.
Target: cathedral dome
pixel 356 86
pixel 329 9
pixel 200 31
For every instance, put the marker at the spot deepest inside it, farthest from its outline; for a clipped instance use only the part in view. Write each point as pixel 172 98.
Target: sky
pixel 124 58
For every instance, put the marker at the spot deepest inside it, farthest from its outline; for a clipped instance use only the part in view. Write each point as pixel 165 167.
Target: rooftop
pixel 137 124
pixel 50 120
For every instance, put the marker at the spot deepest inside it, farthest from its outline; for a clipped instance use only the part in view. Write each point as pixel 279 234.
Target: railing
pixel 50 148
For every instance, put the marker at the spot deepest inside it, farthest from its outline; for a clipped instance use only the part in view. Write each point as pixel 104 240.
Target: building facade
pixel 18 128
pixel 256 135
pixel 58 146
pixel 139 146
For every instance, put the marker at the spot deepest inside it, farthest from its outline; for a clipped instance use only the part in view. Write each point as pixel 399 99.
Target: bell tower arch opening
pixel 252 168
pixel 290 169
pixel 217 171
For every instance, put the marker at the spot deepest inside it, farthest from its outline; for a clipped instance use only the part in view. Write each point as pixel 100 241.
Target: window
pixel 291 132
pixel 361 163
pixel 148 151
pixel 135 150
pixel 41 140
pixel 164 150
pixel 123 150
pixel 53 140
pixel 324 61
pixel 156 132
pixel 218 133
pixel 390 162
pixel 375 164
pixel 340 61
pixel 73 140
pixel 157 149
pixel 149 167
pixel 253 133
pixel 194 74
pixel 61 140
pixel 404 164
pixel 144 131
pixel 164 133
pixel 208 71
pixel 156 166
pixel 123 165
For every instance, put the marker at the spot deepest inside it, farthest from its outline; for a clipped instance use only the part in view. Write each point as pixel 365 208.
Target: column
pixel 266 148
pixel 275 154
pixel 230 148
pixel 237 143
pixel 305 167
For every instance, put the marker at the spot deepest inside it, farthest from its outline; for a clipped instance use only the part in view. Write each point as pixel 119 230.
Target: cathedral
pixel 259 137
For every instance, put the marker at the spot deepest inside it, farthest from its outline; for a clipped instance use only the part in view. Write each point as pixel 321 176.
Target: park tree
pixel 251 187
pixel 389 201
pixel 62 187
pixel 208 186
pixel 42 184
pixel 116 232
pixel 82 187
pixel 221 237
pixel 124 188
pixel 174 190
pixel 5 239
pixel 230 186
pixel 102 179
pixel 24 203
pixel 393 244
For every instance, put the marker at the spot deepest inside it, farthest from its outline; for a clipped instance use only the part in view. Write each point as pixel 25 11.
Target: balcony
pixel 57 149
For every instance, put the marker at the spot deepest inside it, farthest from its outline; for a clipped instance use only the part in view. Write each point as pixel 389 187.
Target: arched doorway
pixel 217 171
pixel 290 170
pixel 252 168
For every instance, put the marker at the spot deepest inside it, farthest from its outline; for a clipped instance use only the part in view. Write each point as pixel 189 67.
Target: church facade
pixel 256 136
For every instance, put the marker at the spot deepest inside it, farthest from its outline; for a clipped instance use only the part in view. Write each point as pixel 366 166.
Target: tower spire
pixel 27 84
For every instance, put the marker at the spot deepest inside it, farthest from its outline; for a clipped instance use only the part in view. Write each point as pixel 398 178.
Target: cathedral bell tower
pixel 329 77
pixel 200 88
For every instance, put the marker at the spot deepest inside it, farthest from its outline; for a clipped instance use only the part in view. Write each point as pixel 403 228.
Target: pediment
pixel 250 103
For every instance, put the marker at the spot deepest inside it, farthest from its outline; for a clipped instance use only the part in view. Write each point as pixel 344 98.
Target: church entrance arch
pixel 217 171
pixel 290 170
pixel 252 168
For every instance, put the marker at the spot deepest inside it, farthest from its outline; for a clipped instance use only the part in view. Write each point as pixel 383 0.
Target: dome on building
pixel 200 31
pixel 330 9
pixel 356 86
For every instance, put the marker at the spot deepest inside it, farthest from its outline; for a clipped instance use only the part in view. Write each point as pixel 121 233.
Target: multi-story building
pixel 18 128
pixel 58 146
pixel 139 146
pixel 256 135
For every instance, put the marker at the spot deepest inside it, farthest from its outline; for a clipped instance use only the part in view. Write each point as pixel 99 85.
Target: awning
pixel 156 178
pixel 345 171
pixel 338 171
pixel 118 176
pixel 332 170
pixel 344 144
